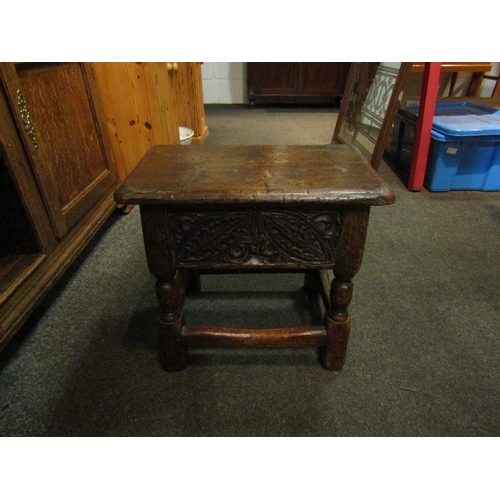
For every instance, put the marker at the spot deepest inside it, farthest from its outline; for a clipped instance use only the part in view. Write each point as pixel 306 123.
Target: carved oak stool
pixel 236 208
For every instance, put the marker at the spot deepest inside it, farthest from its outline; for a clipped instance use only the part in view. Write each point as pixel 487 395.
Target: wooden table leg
pixel 338 324
pixel 170 290
pixel 172 353
pixel 312 283
pixel 194 282
pixel 354 224
pixel 475 84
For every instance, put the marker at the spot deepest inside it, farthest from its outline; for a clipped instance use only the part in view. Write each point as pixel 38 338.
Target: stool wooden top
pixel 179 175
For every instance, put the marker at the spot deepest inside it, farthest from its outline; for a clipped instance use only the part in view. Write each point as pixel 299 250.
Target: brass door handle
pixel 172 67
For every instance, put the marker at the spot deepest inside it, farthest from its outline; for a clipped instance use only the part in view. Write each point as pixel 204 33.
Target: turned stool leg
pixel 338 324
pixel 193 282
pixel 173 355
pixel 170 286
pixel 312 283
pixel 350 247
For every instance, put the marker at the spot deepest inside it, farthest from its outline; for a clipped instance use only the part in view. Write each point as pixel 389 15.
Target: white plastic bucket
pixel 185 135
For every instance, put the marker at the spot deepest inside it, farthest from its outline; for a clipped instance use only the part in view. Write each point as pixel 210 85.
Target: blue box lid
pixel 460 118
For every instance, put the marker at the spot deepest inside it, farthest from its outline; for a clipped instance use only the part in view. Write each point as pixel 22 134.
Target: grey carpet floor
pixel 423 358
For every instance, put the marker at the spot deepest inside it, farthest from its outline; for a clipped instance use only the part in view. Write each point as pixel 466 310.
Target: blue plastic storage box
pixel 465 146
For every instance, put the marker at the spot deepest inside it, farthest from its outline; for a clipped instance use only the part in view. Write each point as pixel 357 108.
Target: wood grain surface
pixel 253 174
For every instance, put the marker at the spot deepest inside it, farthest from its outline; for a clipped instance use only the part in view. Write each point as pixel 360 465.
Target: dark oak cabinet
pixel 293 82
pixel 57 178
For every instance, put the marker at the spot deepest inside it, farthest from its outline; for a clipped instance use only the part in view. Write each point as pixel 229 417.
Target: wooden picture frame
pixel 371 99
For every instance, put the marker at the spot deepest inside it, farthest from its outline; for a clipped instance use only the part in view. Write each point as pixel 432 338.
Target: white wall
pixel 224 82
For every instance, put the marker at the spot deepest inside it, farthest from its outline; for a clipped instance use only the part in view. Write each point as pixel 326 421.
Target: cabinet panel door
pixel 271 78
pixel 140 108
pixel 188 91
pixel 57 108
pixel 323 77
pixel 17 168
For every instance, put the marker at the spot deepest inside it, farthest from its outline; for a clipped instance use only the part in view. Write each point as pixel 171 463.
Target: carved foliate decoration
pixel 269 238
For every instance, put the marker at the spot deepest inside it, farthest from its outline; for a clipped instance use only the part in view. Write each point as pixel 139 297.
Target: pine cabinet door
pixel 188 89
pixel 58 113
pixel 140 107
